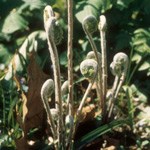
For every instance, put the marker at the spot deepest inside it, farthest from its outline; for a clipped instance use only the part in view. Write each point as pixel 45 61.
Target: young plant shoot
pixel 63 119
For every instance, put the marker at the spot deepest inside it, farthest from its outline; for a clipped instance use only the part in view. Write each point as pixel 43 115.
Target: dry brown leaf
pixel 21 144
pixel 33 110
pixel 35 115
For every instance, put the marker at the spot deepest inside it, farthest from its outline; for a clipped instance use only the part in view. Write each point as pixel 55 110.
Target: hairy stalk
pixel 70 66
pixel 119 69
pixel 115 84
pixel 121 80
pixel 124 73
pixel 98 90
pixel 79 110
pixel 69 122
pixel 112 99
pixel 89 69
pixel 84 98
pixel 102 27
pixel 70 139
pixel 51 121
pixel 48 22
pixel 94 48
pixel 46 92
pixel 70 56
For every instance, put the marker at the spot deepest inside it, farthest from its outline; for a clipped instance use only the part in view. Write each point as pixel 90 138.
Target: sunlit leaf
pixel 21 57
pixel 38 4
pixel 140 30
pixel 14 22
pixel 144 66
pixel 124 3
pixel 141 40
pixel 137 94
pixel 92 7
pixel 136 57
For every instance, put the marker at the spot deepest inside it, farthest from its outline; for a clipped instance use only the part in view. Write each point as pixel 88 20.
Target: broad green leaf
pixel 14 22
pixel 33 4
pixel 143 31
pixel 37 4
pixel 30 5
pixel 136 57
pixel 123 3
pixel 89 137
pixel 92 7
pixel 144 66
pixel 141 40
pixel 4 54
pixel 143 48
pixel 29 45
pixel 4 36
pixel 136 94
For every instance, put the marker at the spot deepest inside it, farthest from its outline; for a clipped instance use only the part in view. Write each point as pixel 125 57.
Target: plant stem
pixel 111 100
pixel 94 48
pixel 121 80
pixel 84 98
pixel 69 142
pixel 102 28
pixel 70 56
pixel 49 19
pixel 70 66
pixel 58 102
pixel 104 63
pixel 79 110
pixel 50 120
pixel 55 62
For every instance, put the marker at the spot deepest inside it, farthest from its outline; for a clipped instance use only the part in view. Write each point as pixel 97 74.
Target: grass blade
pixel 98 132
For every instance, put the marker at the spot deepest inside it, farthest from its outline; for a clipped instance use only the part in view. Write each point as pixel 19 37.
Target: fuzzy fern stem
pixel 90 25
pixel 102 28
pixel 70 66
pixel 49 21
pixel 70 56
